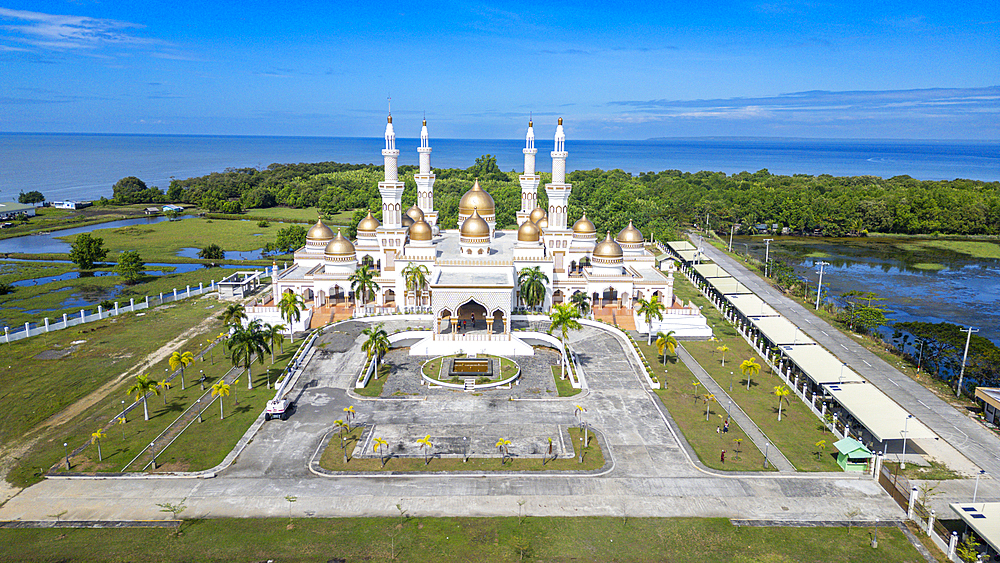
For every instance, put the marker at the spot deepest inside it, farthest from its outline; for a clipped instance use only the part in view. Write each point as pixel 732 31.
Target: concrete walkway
pixel 752 430
pixel 980 445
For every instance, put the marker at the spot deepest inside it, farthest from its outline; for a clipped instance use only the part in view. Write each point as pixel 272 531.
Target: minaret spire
pixel 558 191
pixel 529 180
pixel 425 179
pixel 391 188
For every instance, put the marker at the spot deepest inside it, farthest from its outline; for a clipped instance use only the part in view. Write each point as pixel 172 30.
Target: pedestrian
pixel 725 427
pixel 722 457
pixel 717 430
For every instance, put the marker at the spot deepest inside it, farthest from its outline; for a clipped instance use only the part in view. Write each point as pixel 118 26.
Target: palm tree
pixel 416 279
pixel 750 368
pixel 381 443
pixel 709 398
pixel 780 391
pixel 181 360
pixel 96 439
pixel 564 317
pixel 143 385
pixel 274 338
pixel 427 452
pixel 651 309
pixel 290 306
pixel 234 314
pixel 377 343
pixel 665 342
pixel 694 388
pixel 245 343
pixel 341 428
pixel 581 302
pixel 220 389
pixel 165 385
pixel 531 284
pixel 349 413
pixel 722 350
pixel 738 442
pixel 363 283
pixel 504 446
pixel 820 448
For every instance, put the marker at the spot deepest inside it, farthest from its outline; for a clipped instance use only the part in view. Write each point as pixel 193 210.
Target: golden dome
pixel 319 232
pixel 367 225
pixel 608 248
pixel 339 246
pixel 407 220
pixel 420 230
pixel 528 232
pixel 415 213
pixel 475 199
pixel 630 234
pixel 543 223
pixel 475 226
pixel 584 226
pixel 537 214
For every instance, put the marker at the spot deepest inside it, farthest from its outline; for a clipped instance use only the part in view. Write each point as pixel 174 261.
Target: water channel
pixel 928 280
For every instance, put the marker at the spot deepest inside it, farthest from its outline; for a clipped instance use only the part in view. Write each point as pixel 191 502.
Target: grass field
pixel 51 219
pixel 798 431
pixel 333 458
pixel 48 374
pixel 444 540
pixel 978 249
pixel 563 386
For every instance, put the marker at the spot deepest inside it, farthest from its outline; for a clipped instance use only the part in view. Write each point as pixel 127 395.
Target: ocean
pixel 83 167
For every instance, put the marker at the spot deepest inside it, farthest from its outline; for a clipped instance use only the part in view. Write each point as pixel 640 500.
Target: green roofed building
pixel 852 455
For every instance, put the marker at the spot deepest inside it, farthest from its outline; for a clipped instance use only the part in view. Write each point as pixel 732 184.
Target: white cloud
pixel 64 32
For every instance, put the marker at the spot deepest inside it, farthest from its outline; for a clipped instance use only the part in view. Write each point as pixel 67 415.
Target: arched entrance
pixel 390 298
pixel 610 297
pixel 498 322
pixel 473 314
pixel 444 322
pixel 557 297
pixel 337 295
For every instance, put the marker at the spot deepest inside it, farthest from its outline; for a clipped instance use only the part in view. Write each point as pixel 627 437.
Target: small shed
pixel 151 210
pixel 852 455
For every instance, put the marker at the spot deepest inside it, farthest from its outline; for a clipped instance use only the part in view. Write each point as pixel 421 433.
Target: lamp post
pixel 767 253
pixel 731 232
pixel 124 412
pixel 920 355
pixel 819 287
pixel 976 490
pixel 152 448
pixel 902 460
pixel 767 446
pixel 66 447
pixel 199 410
pixel 730 382
pixel 965 356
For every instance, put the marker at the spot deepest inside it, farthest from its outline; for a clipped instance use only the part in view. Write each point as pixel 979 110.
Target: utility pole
pixel 767 253
pixel 819 286
pixel 961 373
pixel 731 231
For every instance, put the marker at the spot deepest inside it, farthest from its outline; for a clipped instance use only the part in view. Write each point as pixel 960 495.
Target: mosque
pixel 472 273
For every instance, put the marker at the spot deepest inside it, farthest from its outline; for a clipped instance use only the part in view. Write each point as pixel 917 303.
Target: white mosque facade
pixel 472 272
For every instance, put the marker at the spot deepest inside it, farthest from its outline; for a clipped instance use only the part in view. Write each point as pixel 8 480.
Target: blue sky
pixel 837 69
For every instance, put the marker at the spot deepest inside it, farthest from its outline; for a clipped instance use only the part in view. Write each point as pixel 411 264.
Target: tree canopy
pixel 130 267
pixel 287 240
pixel 133 190
pixel 87 250
pixel 27 198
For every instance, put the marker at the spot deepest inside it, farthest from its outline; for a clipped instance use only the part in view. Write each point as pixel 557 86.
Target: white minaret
pixel 391 189
pixel 529 180
pixel 558 191
pixel 425 180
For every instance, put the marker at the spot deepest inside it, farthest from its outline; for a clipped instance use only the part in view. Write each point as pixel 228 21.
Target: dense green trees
pixel 655 201
pixel 212 252
pixel 130 267
pixel 27 198
pixel 941 353
pixel 87 250
pixel 133 190
pixel 288 239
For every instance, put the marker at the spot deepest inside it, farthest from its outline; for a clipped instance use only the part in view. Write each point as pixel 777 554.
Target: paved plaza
pixel 650 471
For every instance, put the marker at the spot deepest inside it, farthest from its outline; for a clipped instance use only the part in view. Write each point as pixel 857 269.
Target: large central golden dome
pixel 367 225
pixel 608 249
pixel 319 232
pixel 475 226
pixel 421 231
pixel 476 199
pixel 630 234
pixel 339 246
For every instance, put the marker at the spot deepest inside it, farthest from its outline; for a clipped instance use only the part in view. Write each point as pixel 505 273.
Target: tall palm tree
pixel 341 428
pixel 581 302
pixel 274 338
pixel 291 306
pixel 380 442
pixel 416 277
pixel 652 309
pixel 780 391
pixel 504 446
pixel 220 389
pixel 245 343
pixel 349 413
pixel 709 399
pixel 377 343
pixel 363 283
pixel 564 317
pixel 143 385
pixel 96 439
pixel 426 442
pixel 750 368
pixel 665 342
pixel 181 360
pixel 531 283
pixel 234 314
pixel 722 350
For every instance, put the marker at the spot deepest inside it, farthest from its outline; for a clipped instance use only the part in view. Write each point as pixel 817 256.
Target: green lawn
pixel 563 386
pixel 444 540
pixel 38 388
pixel 333 458
pixel 51 219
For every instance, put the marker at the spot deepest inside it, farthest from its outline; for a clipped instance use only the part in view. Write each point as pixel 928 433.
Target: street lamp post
pixel 66 447
pixel 202 380
pixel 152 448
pixel 767 254
pixel 731 382
pixel 819 287
pixel 920 355
pixel 902 460
pixel 965 356
pixel 199 410
pixel 767 445
pixel 731 232
pixel 976 490
pixel 124 412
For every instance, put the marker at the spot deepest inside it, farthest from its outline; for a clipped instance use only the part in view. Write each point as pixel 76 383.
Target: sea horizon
pixel 85 166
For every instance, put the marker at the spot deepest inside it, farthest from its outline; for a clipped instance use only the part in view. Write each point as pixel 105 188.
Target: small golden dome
pixel 407 221
pixel 584 226
pixel 319 232
pixel 528 232
pixel 608 249
pixel 543 223
pixel 415 213
pixel 630 234
pixel 339 246
pixel 476 199
pixel 475 226
pixel 420 230
pixel 367 225
pixel 537 214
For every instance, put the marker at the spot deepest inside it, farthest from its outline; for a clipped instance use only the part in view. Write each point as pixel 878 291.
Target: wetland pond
pixel 922 279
